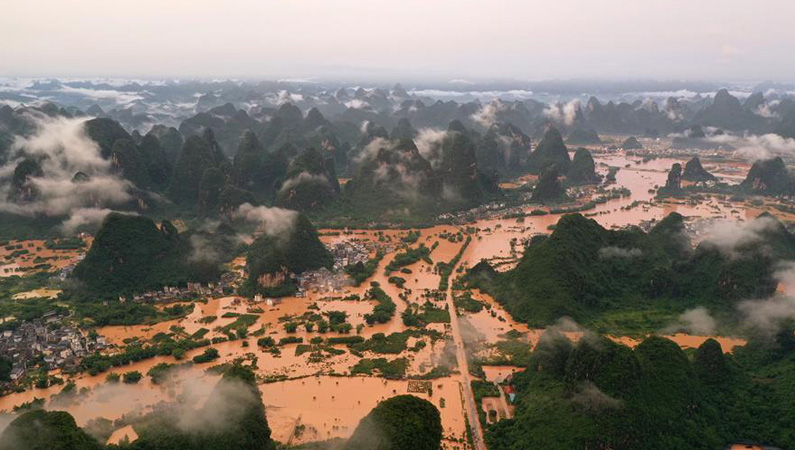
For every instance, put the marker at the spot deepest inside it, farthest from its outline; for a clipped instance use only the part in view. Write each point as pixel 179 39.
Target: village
pixel 192 291
pixel 47 340
pixel 58 345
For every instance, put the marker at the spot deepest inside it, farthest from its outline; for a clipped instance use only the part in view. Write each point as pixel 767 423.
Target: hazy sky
pixel 400 39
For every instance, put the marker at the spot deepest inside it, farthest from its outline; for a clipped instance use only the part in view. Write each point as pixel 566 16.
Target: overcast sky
pixel 729 40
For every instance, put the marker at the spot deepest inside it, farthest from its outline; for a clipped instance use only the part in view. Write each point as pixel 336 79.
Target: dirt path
pixel 463 367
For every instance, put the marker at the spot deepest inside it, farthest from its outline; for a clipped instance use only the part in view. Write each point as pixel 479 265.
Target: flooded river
pixel 328 406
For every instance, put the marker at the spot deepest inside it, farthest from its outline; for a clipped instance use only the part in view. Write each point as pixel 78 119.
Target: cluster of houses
pixel 47 339
pixel 479 212
pixel 345 253
pixel 322 280
pixel 190 292
pixel 349 252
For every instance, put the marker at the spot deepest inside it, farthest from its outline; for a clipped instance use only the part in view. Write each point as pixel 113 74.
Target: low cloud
pixel 203 250
pixel 756 147
pixel 274 221
pixel 91 217
pixel 303 177
pixel 618 252
pixel 487 115
pixel 563 114
pixel 693 321
pixel 429 144
pixel 288 97
pixel 62 149
pixel 590 399
pixel 224 408
pixel 119 97
pixel 357 104
pixel 370 150
pixel 729 236
pixel 766 316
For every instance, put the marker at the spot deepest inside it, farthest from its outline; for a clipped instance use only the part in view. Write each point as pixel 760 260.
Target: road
pixel 463 367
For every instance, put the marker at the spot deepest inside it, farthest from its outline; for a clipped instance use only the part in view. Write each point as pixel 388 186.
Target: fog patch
pixel 62 149
pixel 590 399
pixel 429 143
pixel 288 97
pixel 765 111
pixel 203 250
pixel 301 178
pixel 119 97
pixel 357 104
pixel 370 151
pixel 223 408
pixel 728 236
pixel 487 115
pixel 563 114
pixel 693 321
pixel 618 252
pixel 82 217
pixel 565 327
pixel 766 316
pixel 450 194
pixel 756 147
pixel 274 221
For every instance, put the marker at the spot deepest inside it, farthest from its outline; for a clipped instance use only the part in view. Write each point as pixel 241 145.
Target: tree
pixel 132 377
pixel 399 423
pixel 46 430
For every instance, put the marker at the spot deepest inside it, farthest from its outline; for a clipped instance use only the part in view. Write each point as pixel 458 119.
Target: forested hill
pixel 272 258
pixel 600 394
pixel 585 271
pixel 233 417
pixel 131 254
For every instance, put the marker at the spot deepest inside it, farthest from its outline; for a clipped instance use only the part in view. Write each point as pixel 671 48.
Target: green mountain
pixel 142 162
pixel 504 149
pixel 673 184
pixel 403 130
pixel 631 143
pixel 727 112
pixel 233 417
pixel 606 395
pixel 458 167
pixel 694 171
pixel 278 254
pixel 194 159
pixel 105 132
pixel 210 187
pixel 247 169
pixel 583 169
pixel 584 136
pixel 396 177
pixel 157 161
pixel 589 273
pixel 46 430
pixel 127 159
pixel 310 183
pixel 314 120
pixel 548 189
pixel 399 423
pixel 769 176
pixel 130 254
pixel 21 189
pixel 170 141
pixel 551 151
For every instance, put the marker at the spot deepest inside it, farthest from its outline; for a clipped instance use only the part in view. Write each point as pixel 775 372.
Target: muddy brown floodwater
pixel 331 406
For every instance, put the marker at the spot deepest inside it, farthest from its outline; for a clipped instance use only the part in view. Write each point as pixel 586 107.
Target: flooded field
pixel 29 256
pixel 319 394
